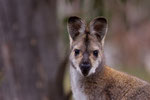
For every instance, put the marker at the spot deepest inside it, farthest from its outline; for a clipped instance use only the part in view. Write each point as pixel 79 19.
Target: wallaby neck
pixel 83 86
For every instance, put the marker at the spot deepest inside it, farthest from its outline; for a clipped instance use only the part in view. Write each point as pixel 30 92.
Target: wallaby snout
pixel 85 67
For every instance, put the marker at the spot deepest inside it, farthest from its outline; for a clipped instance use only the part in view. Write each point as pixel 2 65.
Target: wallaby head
pixel 86 44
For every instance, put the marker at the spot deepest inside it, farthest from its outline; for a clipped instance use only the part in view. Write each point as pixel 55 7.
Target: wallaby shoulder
pixel 124 86
pixel 115 85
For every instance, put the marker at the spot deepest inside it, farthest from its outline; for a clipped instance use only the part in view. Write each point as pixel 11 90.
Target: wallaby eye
pixel 76 51
pixel 95 53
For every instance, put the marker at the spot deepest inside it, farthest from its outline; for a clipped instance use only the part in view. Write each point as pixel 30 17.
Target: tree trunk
pixel 29 58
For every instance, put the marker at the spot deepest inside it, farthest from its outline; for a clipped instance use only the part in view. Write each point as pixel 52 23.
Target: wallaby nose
pixel 85 67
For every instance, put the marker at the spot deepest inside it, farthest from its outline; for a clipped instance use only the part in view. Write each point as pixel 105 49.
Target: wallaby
pixel 91 79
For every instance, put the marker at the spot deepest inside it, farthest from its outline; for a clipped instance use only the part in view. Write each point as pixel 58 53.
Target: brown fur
pixel 110 84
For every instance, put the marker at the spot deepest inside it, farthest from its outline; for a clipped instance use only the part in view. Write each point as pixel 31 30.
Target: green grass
pixel 66 82
pixel 138 72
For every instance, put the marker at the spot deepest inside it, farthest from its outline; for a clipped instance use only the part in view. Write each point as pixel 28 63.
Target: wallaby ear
pixel 98 27
pixel 75 27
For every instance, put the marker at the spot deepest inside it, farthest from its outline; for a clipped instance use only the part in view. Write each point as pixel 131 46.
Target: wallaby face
pixel 86 44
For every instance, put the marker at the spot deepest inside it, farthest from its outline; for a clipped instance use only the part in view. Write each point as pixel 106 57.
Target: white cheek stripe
pixel 94 67
pixel 75 64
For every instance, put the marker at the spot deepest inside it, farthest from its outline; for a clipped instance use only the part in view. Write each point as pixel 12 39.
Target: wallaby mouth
pixel 85 68
pixel 85 71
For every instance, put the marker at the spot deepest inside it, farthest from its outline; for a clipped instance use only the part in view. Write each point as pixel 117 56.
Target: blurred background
pixel 34 43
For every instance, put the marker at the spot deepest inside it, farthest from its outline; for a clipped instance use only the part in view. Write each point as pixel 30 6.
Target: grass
pixel 138 72
pixel 66 82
